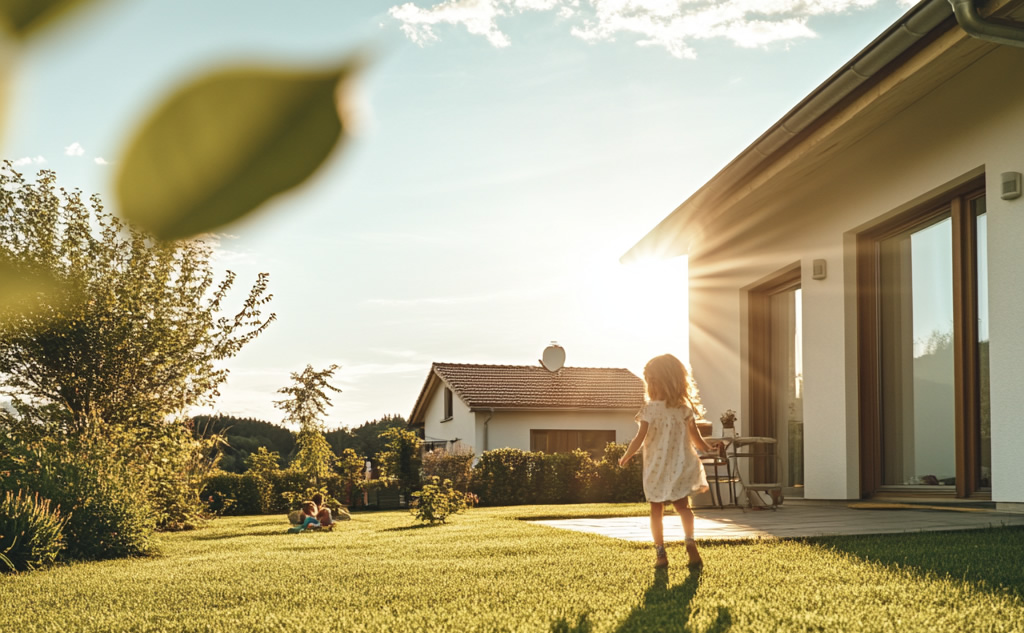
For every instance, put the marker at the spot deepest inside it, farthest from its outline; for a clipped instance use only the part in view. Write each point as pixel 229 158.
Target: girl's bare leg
pixel 682 506
pixel 657 533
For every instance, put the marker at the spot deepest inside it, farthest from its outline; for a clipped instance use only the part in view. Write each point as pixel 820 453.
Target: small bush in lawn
pixel 437 501
pixel 31 533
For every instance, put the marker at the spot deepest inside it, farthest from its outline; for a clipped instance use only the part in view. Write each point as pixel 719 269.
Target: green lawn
pixel 488 571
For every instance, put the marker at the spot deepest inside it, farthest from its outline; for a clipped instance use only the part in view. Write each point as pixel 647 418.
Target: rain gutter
pixel 973 24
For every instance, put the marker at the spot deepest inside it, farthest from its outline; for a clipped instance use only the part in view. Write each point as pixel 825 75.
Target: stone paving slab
pixel 789 522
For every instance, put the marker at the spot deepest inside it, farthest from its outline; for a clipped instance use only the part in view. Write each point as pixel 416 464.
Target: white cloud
pixel 670 24
pixel 99 160
pixel 74 150
pixel 476 15
pixel 28 160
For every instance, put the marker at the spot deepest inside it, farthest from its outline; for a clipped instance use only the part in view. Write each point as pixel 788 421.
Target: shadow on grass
pixel 224 537
pixel 418 526
pixel 987 559
pixel 667 608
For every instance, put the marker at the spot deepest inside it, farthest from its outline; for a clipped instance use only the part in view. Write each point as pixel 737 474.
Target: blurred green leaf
pixel 225 144
pixel 24 16
pixel 21 292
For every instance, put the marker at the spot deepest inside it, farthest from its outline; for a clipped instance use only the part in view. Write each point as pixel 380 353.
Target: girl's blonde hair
pixel 667 379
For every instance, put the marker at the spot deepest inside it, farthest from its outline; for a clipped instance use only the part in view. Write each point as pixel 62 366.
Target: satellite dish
pixel 553 358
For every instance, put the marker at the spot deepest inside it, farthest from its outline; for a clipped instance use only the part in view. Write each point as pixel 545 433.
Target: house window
pixel 448 414
pixel 776 374
pixel 924 350
pixel 560 441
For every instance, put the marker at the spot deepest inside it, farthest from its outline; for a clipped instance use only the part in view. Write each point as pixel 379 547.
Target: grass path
pixel 488 571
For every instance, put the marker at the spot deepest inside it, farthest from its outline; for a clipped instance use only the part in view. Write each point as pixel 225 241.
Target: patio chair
pixel 718 469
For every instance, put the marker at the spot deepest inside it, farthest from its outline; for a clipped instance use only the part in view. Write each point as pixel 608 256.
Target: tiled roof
pixel 534 387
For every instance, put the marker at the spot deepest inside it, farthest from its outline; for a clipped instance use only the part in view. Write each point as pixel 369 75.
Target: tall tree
pixel 400 460
pixel 305 406
pixel 138 329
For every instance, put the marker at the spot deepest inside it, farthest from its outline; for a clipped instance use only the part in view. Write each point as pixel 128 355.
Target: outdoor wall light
pixel 1011 185
pixel 818 269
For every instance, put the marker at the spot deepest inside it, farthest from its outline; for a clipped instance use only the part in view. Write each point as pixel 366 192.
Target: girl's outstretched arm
pixel 695 437
pixel 635 445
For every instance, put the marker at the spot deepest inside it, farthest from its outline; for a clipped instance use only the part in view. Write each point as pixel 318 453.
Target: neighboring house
pixel 483 407
pixel 855 274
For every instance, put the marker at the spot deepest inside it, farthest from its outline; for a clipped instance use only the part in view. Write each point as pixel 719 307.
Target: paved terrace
pixel 792 521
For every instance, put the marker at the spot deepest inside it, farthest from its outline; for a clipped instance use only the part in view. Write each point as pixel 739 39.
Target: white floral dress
pixel 672 467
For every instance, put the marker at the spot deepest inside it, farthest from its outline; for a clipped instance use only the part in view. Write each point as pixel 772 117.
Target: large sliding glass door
pixel 917 376
pixel 923 295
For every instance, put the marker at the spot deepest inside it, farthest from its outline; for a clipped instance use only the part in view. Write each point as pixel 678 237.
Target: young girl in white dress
pixel 670 439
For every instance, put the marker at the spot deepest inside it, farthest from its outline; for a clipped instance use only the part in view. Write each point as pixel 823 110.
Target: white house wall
pixel 462 426
pixel 511 429
pixel 972 124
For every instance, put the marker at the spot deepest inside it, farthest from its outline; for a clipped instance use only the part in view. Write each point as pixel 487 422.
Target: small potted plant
pixel 728 420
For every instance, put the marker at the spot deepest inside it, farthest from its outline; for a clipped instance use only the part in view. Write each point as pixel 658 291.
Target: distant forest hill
pixel 245 435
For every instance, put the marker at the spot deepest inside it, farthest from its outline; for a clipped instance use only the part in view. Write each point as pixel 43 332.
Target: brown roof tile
pixel 533 387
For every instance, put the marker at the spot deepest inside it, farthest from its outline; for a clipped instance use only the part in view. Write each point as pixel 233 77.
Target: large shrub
pixel 504 477
pixel 509 476
pixel 351 477
pixel 563 477
pixel 400 459
pixel 233 494
pixel 175 466
pixel 263 468
pixel 94 482
pixel 616 484
pixel 454 466
pixel 31 532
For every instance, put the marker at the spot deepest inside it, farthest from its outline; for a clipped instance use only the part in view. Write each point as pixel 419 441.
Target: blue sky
pixel 509 152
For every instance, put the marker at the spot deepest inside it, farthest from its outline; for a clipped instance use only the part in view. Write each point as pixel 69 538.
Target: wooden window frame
pixel 449 408
pixel 761 413
pixel 966 375
pixel 761 416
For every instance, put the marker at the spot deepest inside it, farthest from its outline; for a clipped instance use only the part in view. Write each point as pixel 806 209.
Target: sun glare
pixel 640 308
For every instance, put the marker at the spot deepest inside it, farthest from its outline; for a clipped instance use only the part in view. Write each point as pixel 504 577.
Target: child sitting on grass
pixel 307 518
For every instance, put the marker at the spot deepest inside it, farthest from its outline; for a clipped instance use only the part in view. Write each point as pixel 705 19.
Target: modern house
pixel 855 286
pixel 483 407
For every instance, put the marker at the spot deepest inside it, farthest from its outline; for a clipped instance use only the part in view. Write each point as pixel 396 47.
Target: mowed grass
pixel 488 570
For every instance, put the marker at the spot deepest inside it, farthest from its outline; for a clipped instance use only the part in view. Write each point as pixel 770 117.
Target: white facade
pixel 894 158
pixel 480 431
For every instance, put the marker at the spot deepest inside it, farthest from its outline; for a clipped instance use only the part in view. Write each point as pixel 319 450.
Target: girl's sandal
pixel 662 556
pixel 691 551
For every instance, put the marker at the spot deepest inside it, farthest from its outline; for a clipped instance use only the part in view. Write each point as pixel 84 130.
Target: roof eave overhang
pixel 419 407
pixel 920 24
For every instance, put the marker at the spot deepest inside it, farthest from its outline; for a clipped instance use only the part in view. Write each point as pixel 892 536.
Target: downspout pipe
pixel 976 26
pixel 486 443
